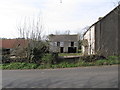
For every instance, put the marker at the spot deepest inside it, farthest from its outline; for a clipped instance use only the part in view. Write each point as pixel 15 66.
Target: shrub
pixel 106 62
pixel 47 59
pixel 5 59
pixel 41 67
pixel 91 58
pixel 81 63
pixel 113 58
pixel 101 62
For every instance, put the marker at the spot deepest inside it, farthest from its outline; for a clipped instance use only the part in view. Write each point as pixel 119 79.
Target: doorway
pixel 71 49
pixel 61 49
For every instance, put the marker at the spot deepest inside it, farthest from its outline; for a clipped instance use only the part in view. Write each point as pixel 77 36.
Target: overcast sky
pixel 70 15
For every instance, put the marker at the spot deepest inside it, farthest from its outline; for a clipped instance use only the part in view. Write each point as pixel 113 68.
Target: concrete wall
pixel 53 47
pixel 119 32
pixel 92 45
pixel 90 37
pixel 107 35
pixel 108 40
pixel 65 42
pixel 85 48
pixel 97 38
pixel 65 45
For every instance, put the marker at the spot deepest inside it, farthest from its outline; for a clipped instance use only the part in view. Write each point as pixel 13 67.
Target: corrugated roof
pixel 13 43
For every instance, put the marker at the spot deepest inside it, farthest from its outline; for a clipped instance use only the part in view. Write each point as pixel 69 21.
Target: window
pixel 58 43
pixel 72 44
pixel 6 51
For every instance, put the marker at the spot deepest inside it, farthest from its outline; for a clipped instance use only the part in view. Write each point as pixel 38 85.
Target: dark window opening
pixel 58 43
pixel 72 44
pixel 6 51
pixel 72 49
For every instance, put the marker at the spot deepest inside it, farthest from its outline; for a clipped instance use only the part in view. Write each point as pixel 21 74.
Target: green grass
pixel 47 59
pixel 0 66
pixel 65 64
pixel 18 65
pixel 69 54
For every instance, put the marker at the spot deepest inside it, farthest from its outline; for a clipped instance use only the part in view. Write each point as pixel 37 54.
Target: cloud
pixel 70 14
pixel 11 13
pixel 73 14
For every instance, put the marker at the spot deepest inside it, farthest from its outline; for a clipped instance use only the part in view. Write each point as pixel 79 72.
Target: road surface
pixel 82 77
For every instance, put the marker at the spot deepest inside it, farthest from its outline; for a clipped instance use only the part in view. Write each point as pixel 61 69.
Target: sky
pixel 56 17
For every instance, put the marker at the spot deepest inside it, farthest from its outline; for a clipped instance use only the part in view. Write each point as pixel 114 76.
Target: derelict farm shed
pixel 11 46
pixel 64 43
pixel 103 37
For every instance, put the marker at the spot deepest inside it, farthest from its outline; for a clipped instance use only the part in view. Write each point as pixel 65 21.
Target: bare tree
pixel 67 32
pixel 31 31
pixel 83 31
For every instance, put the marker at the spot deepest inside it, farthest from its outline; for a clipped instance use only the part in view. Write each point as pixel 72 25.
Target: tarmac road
pixel 82 77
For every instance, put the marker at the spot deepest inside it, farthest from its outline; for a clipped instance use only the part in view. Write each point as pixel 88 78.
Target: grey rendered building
pixel 64 43
pixel 103 37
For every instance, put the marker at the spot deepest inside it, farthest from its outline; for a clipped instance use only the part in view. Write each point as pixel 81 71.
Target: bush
pixel 41 67
pixel 113 58
pixel 5 59
pixel 47 59
pixel 81 63
pixel 101 62
pixel 91 58
pixel 107 62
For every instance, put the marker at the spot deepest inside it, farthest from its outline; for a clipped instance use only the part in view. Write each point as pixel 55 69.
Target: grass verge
pixel 79 63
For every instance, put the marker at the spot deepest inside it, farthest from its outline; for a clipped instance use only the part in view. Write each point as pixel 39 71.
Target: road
pixel 81 77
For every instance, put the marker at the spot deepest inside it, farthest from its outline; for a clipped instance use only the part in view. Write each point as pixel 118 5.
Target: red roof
pixel 13 43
